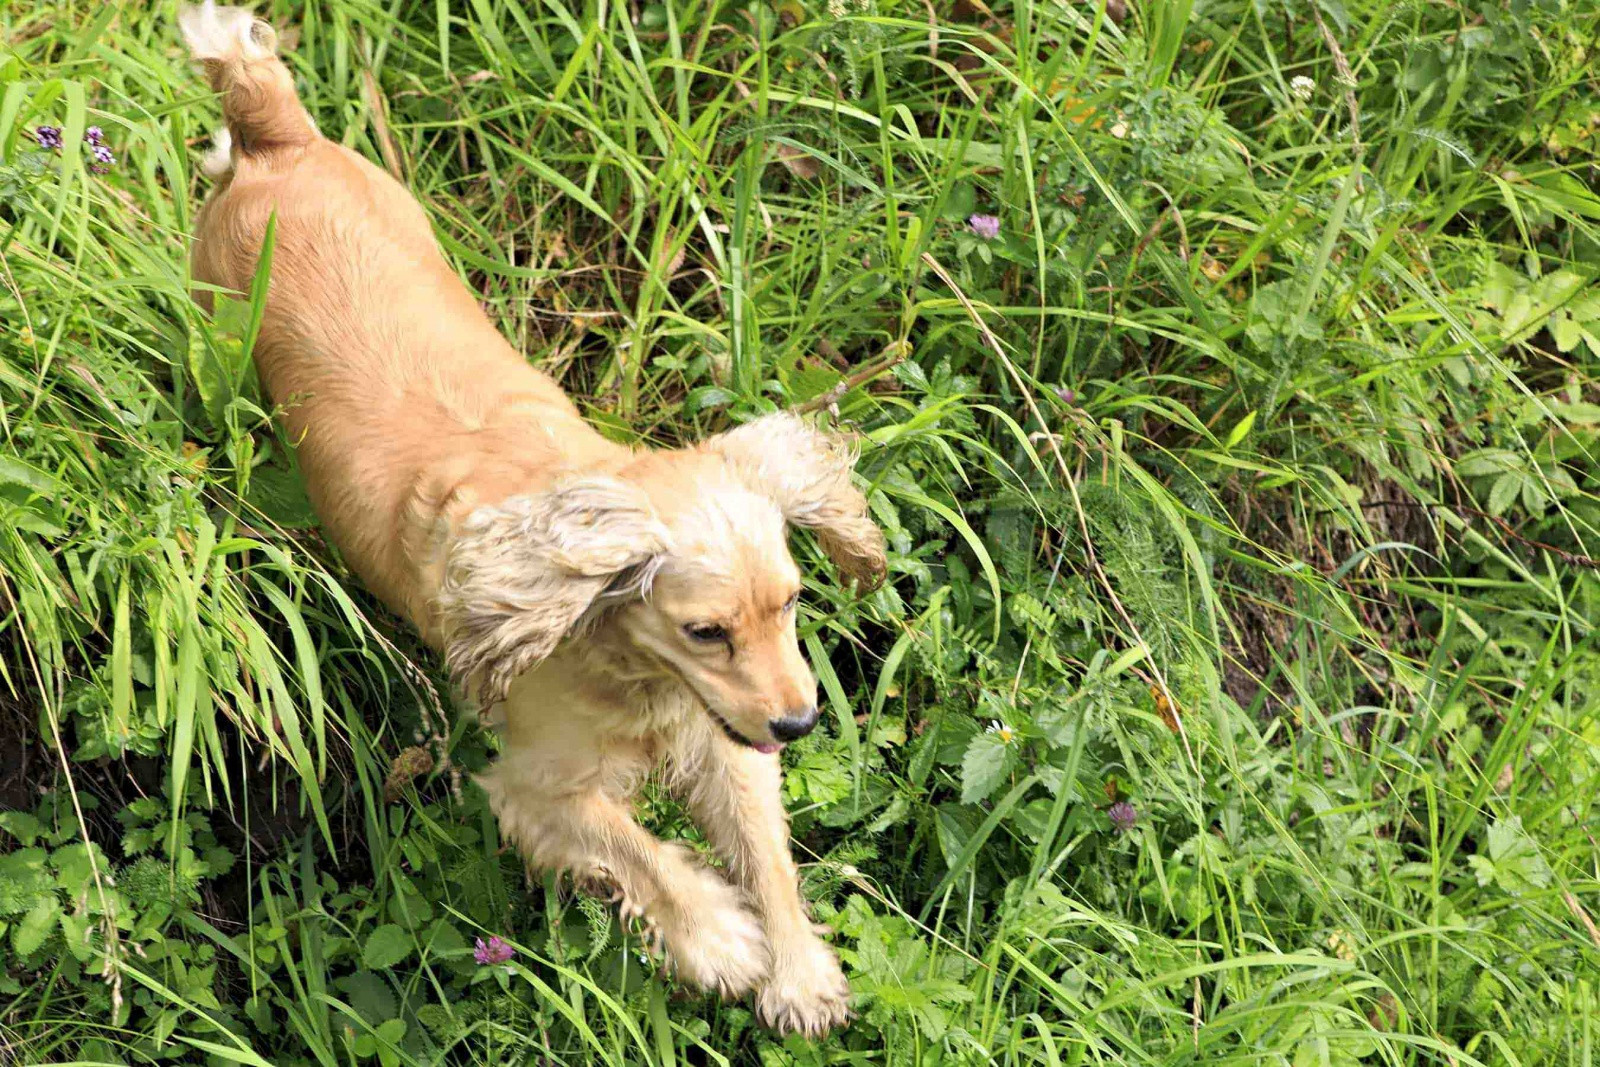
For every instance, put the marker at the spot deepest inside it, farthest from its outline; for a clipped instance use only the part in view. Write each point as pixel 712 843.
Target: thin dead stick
pixel 1155 228
pixel 1072 488
pixel 1347 79
pixel 380 124
pixel 1575 559
pixel 1582 916
pixel 892 355
pixel 1161 219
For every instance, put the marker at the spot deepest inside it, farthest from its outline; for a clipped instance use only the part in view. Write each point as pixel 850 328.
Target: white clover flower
pixel 1302 87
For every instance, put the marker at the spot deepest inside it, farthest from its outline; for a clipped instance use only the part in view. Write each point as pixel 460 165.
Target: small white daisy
pixel 1004 732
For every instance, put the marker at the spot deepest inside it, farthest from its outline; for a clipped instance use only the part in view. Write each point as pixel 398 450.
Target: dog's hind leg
pixel 735 794
pixel 711 938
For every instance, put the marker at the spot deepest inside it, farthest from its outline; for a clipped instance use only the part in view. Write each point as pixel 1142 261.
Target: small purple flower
pixel 1067 395
pixel 102 159
pixel 48 137
pixel 985 226
pixel 493 951
pixel 94 135
pixel 1123 815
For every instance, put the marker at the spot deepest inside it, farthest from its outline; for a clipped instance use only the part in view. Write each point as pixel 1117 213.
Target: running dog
pixel 619 610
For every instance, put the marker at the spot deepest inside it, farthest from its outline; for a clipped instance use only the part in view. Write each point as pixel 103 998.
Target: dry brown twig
pixel 380 125
pixel 896 352
pixel 1066 478
pixel 1574 559
pixel 1347 80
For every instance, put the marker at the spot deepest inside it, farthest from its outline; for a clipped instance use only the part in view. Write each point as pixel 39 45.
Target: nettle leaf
pixel 369 995
pixel 821 777
pixel 16 472
pixel 1565 331
pixel 22 826
pixel 1518 863
pixel 1504 493
pixel 1488 461
pixel 35 927
pixel 76 867
pixel 987 763
pixel 278 492
pixel 393 1031
pixel 1534 499
pixel 1500 285
pixel 806 382
pixel 75 931
pixel 1058 721
pixel 385 947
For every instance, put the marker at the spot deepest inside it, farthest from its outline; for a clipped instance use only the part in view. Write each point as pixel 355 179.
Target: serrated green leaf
pixel 1487 462
pixel 16 472
pixel 1565 332
pixel 1503 493
pixel 385 947
pixel 1516 860
pixel 369 995
pixel 75 931
pixel 34 928
pixel 986 763
pixel 22 826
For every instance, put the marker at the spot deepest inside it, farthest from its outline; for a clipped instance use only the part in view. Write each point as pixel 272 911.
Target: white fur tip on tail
pixel 225 33
pixel 218 159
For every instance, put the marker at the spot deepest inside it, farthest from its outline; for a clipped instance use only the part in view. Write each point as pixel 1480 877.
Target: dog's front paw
pixel 715 942
pixel 807 993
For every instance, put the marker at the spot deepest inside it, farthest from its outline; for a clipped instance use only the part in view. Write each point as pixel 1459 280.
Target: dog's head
pixel 685 554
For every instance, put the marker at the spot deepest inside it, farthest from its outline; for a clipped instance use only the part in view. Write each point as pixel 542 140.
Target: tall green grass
pixel 1246 478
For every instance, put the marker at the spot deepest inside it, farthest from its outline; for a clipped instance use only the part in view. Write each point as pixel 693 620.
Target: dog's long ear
pixel 807 473
pixel 523 573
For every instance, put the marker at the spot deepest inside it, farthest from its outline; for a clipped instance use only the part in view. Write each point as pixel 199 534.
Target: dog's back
pixel 395 385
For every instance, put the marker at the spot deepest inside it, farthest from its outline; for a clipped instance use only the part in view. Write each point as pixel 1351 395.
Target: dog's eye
pixel 788 605
pixel 706 632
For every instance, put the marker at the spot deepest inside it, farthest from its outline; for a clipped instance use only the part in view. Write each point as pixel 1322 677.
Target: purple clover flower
pixel 985 226
pixel 493 951
pixel 1122 815
pixel 101 157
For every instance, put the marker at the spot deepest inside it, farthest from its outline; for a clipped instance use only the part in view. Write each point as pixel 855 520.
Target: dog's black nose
pixel 794 726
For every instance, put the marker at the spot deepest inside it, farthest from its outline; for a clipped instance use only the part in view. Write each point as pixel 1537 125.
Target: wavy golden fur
pixel 620 610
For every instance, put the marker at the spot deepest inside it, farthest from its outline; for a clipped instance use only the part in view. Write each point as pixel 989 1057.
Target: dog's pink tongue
pixel 768 747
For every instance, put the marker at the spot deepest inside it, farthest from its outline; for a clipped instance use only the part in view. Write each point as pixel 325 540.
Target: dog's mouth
pixel 766 747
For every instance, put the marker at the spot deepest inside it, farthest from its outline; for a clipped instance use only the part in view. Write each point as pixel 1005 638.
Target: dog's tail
pixel 259 104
